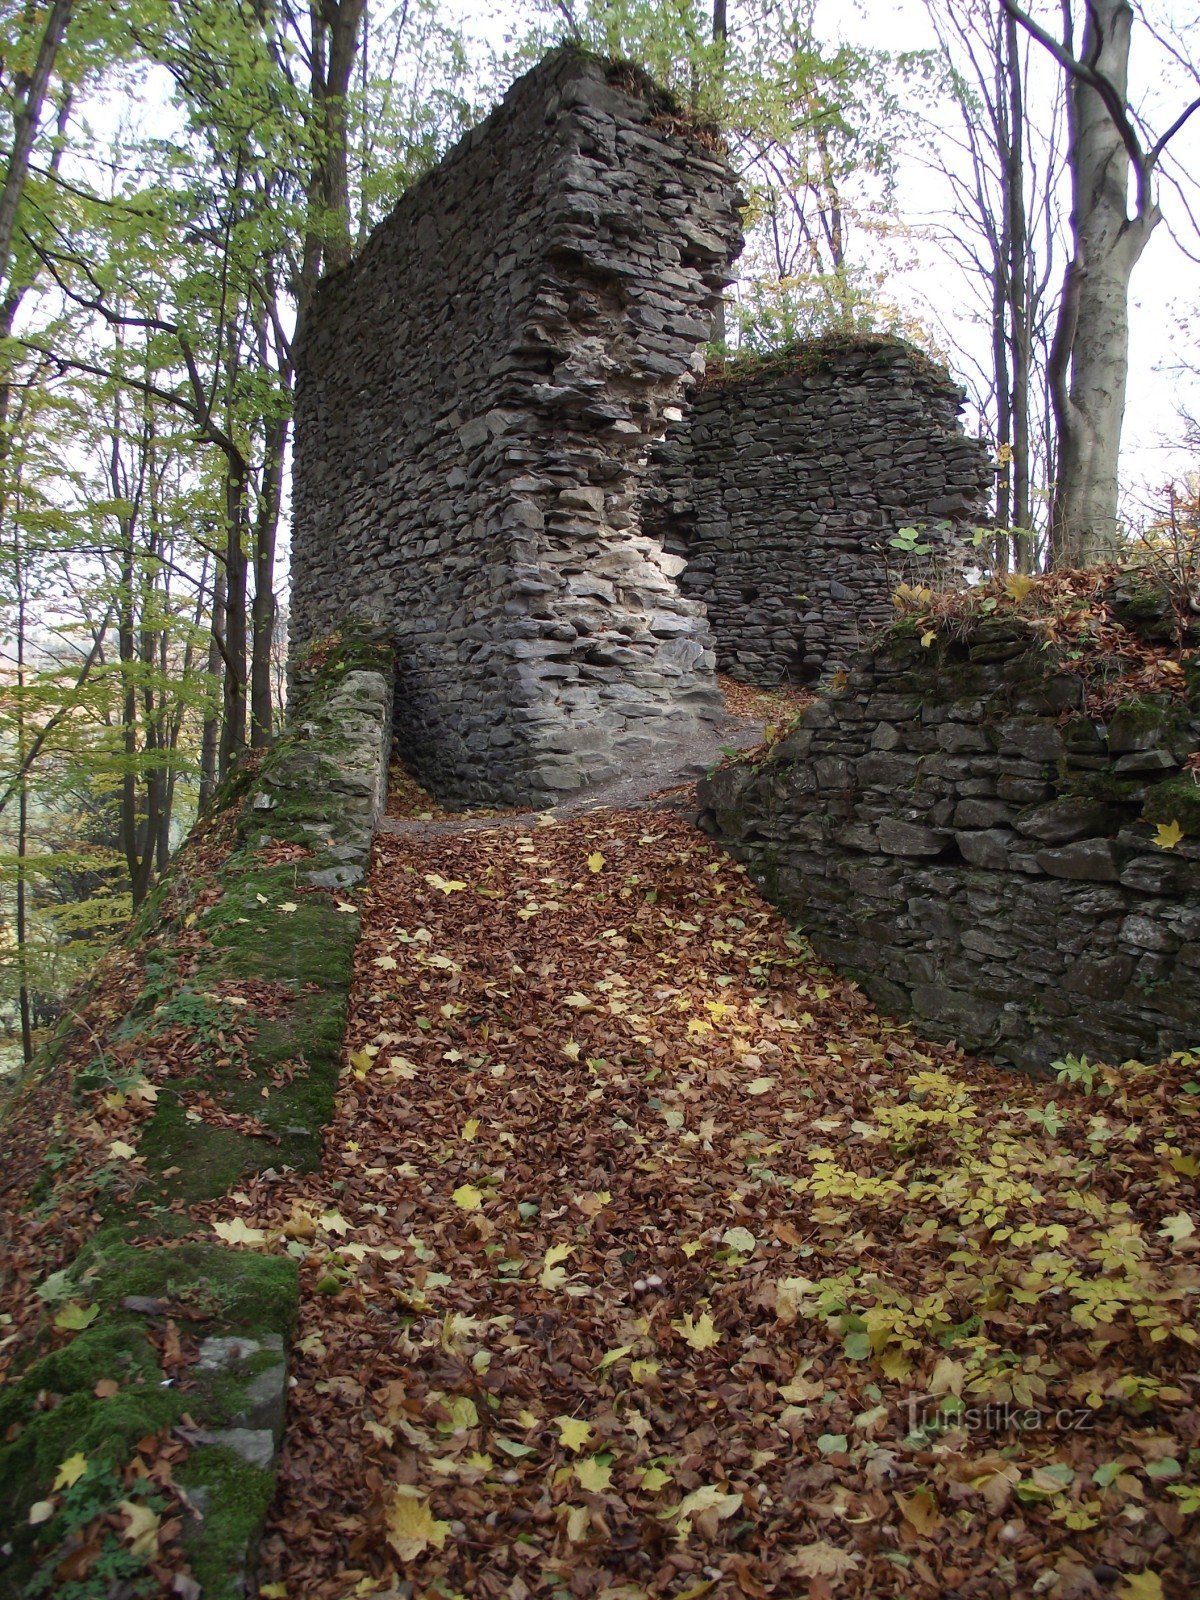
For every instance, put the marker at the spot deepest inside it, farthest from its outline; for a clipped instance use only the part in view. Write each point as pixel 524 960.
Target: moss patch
pixel 233 1498
pixel 1176 800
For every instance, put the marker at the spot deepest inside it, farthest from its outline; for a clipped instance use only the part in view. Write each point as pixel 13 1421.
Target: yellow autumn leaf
pixel 653 1479
pixel 701 1333
pixel 288 906
pixel 70 1471
pixel 41 1511
pixel 141 1528
pixel 74 1317
pixel 1017 585
pixel 237 1232
pixel 446 885
pixel 928 637
pixel 708 1498
pixel 1177 1228
pixel 578 1522
pixel 1140 1586
pixel 411 1525
pixel 611 1357
pixel 760 1085
pixel 333 1222
pixel 643 1371
pixel 467 1197
pixel 573 1432
pixel 1168 835
pixel 593 1474
pixel 385 963
pixel 121 1150
pixel 470 1128
pixel 362 1062
pixel 595 862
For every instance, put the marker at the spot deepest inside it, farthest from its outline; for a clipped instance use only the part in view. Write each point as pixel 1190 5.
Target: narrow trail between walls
pixel 645 1255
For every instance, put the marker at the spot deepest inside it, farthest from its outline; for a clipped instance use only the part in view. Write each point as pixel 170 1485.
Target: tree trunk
pixel 263 613
pixel 1020 338
pixel 233 720
pixel 210 737
pixel 25 124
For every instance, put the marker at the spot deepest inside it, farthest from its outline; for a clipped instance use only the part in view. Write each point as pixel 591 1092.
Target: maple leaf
pixel 470 1128
pixel 121 1150
pixel 594 1474
pixel 1167 835
pixel 760 1085
pixel 467 1197
pixel 708 1498
pixel 579 1520
pixel 595 862
pixel 446 885
pixel 70 1471
pixel 573 1432
pixel 141 1528
pixel 920 1510
pixel 1177 1228
pixel 74 1317
pixel 237 1232
pixel 411 1525
pixel 821 1560
pixel 700 1333
pixel 288 906
pixel 652 1479
pixel 739 1239
pixel 1141 1586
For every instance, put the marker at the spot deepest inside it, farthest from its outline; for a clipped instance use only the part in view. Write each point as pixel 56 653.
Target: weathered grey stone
pixel 899 838
pixel 475 398
pixel 1023 944
pixel 1093 860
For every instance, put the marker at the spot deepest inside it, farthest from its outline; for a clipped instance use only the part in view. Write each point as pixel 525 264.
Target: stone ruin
pixel 491 456
pixel 785 485
pixel 476 400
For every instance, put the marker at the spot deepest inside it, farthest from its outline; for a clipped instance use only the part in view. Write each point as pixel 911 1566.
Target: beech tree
pixel 1114 210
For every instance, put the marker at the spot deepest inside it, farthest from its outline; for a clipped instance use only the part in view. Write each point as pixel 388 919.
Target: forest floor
pixel 647 1259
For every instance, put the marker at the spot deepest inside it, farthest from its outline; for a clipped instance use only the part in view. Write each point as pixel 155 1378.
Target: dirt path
pixel 640 1237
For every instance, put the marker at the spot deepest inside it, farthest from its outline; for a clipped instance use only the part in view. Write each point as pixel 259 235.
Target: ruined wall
pixel 476 397
pixel 956 831
pixel 785 484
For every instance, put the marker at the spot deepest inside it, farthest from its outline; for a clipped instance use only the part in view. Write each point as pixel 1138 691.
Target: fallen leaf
pixel 594 1474
pixel 141 1528
pixel 700 1333
pixel 1167 835
pixel 821 1560
pixel 70 1471
pixel 238 1232
pixel 467 1197
pixel 573 1432
pixel 411 1525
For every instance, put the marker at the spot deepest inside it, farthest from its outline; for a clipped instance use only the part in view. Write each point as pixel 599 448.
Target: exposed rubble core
pixel 476 400
pixel 787 481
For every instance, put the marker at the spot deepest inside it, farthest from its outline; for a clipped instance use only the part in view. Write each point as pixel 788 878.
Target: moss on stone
pixel 233 1497
pixel 1175 800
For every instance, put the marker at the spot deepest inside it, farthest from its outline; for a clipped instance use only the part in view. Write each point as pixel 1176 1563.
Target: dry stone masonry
pixel 476 400
pixel 958 832
pixel 785 484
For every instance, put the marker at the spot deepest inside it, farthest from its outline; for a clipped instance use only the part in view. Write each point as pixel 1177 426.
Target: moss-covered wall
pixel 962 832
pixel 207 1050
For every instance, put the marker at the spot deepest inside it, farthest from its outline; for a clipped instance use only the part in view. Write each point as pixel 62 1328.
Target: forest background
pixel 179 174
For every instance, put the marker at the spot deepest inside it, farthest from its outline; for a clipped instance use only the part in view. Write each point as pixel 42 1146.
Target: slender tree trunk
pixel 1020 359
pixel 210 737
pixel 720 331
pixel 233 723
pixel 263 613
pixel 31 96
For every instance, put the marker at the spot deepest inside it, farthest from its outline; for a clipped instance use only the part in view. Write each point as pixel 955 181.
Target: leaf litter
pixel 648 1260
